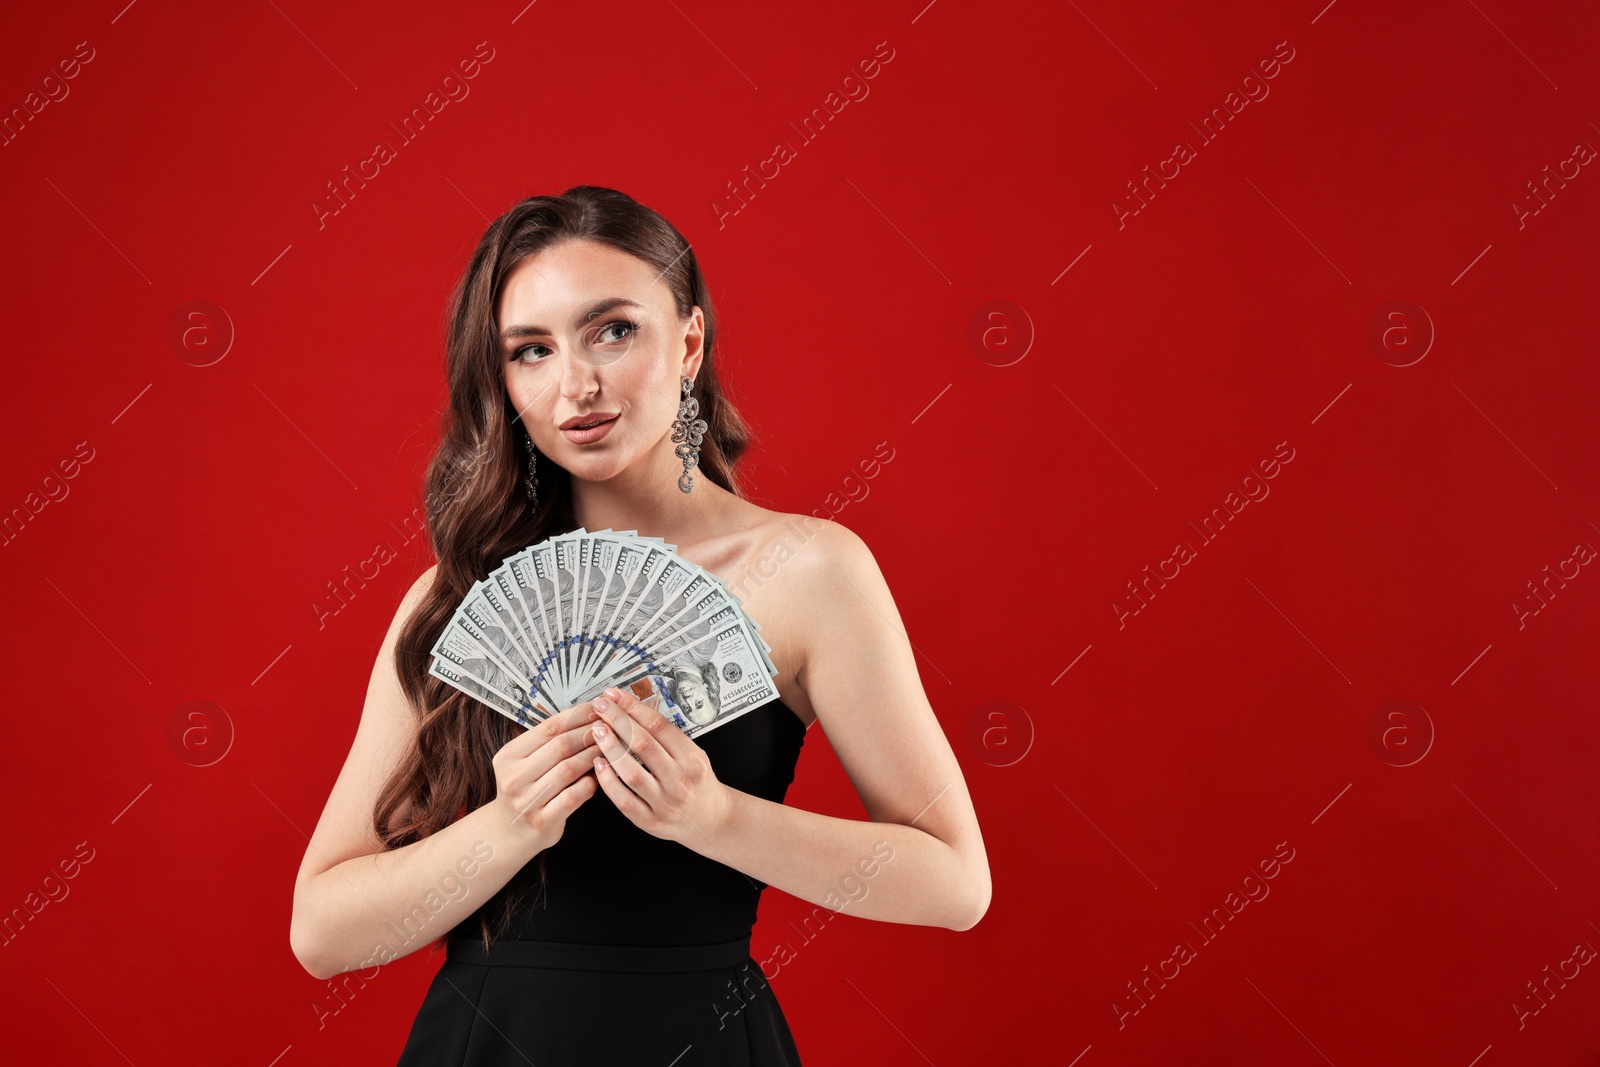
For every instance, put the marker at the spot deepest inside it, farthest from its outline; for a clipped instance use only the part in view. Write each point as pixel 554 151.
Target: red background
pixel 1230 314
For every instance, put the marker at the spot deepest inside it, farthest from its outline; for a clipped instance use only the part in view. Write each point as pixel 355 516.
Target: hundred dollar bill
pixel 604 557
pixel 701 694
pixel 495 629
pixel 724 597
pixel 469 670
pixel 538 686
pixel 626 579
pixel 567 617
pixel 675 585
pixel 718 662
pixel 690 623
pixel 499 590
pixel 662 577
pixel 598 558
pixel 565 577
pixel 534 585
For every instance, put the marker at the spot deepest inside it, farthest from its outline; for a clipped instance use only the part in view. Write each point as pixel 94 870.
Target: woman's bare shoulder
pixel 823 544
pixel 778 551
pixel 787 549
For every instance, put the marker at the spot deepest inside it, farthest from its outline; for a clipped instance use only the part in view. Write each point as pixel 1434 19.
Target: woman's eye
pixel 627 327
pixel 536 353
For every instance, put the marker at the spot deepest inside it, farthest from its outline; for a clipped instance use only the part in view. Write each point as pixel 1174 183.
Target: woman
pixel 628 940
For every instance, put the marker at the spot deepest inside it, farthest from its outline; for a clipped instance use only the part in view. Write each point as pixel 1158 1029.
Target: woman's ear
pixel 694 342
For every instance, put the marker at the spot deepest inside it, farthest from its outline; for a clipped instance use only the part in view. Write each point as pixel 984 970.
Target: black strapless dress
pixel 635 951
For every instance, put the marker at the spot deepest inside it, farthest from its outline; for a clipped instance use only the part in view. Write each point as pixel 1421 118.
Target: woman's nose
pixel 577 376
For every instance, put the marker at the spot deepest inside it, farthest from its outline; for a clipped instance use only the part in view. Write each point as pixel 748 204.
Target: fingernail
pixel 599 731
pixel 601 704
pixel 614 694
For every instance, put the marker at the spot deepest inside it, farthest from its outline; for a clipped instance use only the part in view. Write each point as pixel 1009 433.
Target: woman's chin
pixel 593 466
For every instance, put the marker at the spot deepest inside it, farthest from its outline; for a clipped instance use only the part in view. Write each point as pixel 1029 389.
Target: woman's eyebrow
pixel 515 331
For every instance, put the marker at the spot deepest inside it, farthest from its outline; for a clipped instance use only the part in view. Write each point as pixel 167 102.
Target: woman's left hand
pixel 670 791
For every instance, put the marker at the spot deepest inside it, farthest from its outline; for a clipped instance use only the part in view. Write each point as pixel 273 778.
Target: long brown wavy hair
pixel 477 505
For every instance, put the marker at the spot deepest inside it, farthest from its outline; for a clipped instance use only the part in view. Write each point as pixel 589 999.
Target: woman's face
pixel 589 332
pixel 695 701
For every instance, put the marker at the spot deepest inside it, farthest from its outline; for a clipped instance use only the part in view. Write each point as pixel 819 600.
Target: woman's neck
pixel 646 498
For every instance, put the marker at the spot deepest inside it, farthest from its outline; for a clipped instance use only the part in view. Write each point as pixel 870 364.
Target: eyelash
pixel 632 327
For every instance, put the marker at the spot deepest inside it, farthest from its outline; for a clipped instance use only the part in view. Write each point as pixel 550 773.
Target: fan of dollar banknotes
pixel 576 614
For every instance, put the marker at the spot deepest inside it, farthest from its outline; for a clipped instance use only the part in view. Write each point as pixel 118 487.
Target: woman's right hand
pixel 545 772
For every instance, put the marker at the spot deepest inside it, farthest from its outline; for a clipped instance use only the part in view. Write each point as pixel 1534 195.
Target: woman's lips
pixel 591 435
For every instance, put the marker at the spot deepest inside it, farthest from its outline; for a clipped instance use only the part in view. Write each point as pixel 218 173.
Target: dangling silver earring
pixel 532 479
pixel 687 431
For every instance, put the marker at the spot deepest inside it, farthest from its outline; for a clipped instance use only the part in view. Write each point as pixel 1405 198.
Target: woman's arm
pixel 861 677
pixel 357 905
pixel 874 870
pixel 920 859
pixel 374 909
